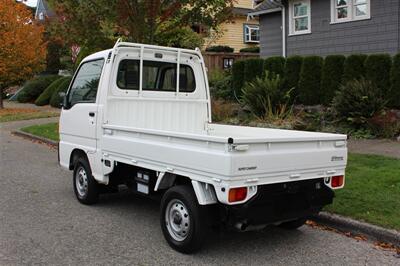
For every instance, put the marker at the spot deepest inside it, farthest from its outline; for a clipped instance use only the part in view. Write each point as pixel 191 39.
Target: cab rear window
pixel 157 76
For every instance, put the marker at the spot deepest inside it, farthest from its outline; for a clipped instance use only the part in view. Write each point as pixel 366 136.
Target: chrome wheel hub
pixel 177 220
pixel 81 182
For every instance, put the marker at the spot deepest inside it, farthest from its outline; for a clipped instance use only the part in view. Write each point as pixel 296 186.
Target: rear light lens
pixel 237 194
pixel 337 181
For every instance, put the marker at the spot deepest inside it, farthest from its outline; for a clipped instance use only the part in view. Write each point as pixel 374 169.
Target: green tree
pixel 96 24
pixel 310 80
pixel 332 72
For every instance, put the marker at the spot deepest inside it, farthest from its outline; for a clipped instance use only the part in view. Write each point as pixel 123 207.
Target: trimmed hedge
pixel 44 98
pixel 255 50
pixel 394 99
pixel 220 49
pixel 354 67
pixel 310 80
pixel 331 79
pixel 292 74
pixel 238 77
pixel 275 65
pixel 34 88
pixel 377 70
pixel 56 100
pixel 253 68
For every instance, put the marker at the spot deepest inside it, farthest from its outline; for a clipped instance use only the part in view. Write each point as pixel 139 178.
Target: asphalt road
pixel 41 222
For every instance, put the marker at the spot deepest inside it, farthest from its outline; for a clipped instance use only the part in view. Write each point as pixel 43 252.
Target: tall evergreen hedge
pixel 394 100
pixel 291 74
pixel 354 67
pixel 310 80
pixel 238 76
pixel 377 70
pixel 275 65
pixel 331 78
pixel 253 68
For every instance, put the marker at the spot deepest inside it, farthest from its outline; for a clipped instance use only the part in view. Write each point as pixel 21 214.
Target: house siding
pixel 380 34
pixel 271 34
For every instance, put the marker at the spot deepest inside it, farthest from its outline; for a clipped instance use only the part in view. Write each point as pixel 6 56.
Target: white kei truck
pixel 139 116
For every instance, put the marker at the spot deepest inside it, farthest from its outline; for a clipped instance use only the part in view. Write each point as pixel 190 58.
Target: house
pixel 324 27
pixel 43 11
pixel 241 32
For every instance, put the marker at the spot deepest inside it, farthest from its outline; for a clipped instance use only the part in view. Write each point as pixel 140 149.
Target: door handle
pixel 91 114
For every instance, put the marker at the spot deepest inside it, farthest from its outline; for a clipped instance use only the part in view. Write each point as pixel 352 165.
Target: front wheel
pixel 183 220
pixel 85 186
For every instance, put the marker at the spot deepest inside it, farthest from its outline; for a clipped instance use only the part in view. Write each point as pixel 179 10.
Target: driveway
pixel 41 222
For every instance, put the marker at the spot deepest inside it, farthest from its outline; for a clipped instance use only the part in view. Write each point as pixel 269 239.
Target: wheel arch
pixel 76 153
pixel 205 193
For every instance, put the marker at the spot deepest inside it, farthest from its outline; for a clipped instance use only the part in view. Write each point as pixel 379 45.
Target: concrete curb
pixel 26 135
pixel 373 232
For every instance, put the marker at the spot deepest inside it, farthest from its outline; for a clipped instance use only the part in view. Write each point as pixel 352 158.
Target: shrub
pixel 385 124
pixel 44 98
pixel 275 65
pixel 357 101
pixel 253 68
pixel 255 50
pixel 264 98
pixel 331 78
pixel 354 67
pixel 292 74
pixel 221 85
pixel 35 87
pixel 377 70
pixel 310 80
pixel 238 77
pixel 220 49
pixel 223 111
pixel 394 101
pixel 56 100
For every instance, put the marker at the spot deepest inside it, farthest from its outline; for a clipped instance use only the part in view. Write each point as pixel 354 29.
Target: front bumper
pixel 280 202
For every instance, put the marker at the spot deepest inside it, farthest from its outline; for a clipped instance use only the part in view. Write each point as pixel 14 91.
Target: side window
pixel 86 82
pixel 157 76
pixel 128 75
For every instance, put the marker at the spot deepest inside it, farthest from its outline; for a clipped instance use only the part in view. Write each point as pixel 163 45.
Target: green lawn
pixel 14 114
pixel 372 191
pixel 49 131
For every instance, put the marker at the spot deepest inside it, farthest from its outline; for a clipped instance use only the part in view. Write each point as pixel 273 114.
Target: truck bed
pixel 232 154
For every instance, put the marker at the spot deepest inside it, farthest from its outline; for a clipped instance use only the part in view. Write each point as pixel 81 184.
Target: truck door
pixel 79 117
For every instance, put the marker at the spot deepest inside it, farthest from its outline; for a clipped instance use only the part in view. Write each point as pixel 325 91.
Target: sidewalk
pixel 383 147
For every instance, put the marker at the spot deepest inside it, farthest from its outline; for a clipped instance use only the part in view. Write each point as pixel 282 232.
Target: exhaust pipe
pixel 241 226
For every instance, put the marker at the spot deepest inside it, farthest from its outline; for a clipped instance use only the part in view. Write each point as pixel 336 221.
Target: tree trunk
pixel 1 98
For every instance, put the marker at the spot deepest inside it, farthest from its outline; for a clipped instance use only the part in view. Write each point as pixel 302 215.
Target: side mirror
pixel 63 97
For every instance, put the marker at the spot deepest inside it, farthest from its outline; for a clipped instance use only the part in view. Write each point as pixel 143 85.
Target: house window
pixel 300 17
pixel 228 63
pixel 251 33
pixel 350 10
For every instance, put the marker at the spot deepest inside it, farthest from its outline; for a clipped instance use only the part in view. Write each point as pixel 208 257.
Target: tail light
pixel 237 194
pixel 337 181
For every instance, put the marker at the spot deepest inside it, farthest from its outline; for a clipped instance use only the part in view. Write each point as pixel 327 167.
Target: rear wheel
pixel 85 186
pixel 183 220
pixel 291 225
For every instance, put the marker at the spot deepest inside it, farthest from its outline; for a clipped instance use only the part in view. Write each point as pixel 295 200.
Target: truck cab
pixel 139 116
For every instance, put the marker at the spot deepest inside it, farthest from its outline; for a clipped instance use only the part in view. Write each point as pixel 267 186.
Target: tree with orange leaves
pixel 22 49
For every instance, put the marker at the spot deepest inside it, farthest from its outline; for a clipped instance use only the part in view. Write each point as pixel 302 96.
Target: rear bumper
pixel 281 202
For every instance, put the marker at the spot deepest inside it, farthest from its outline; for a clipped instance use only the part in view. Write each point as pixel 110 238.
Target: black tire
pixel 292 225
pixel 197 217
pixel 91 194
